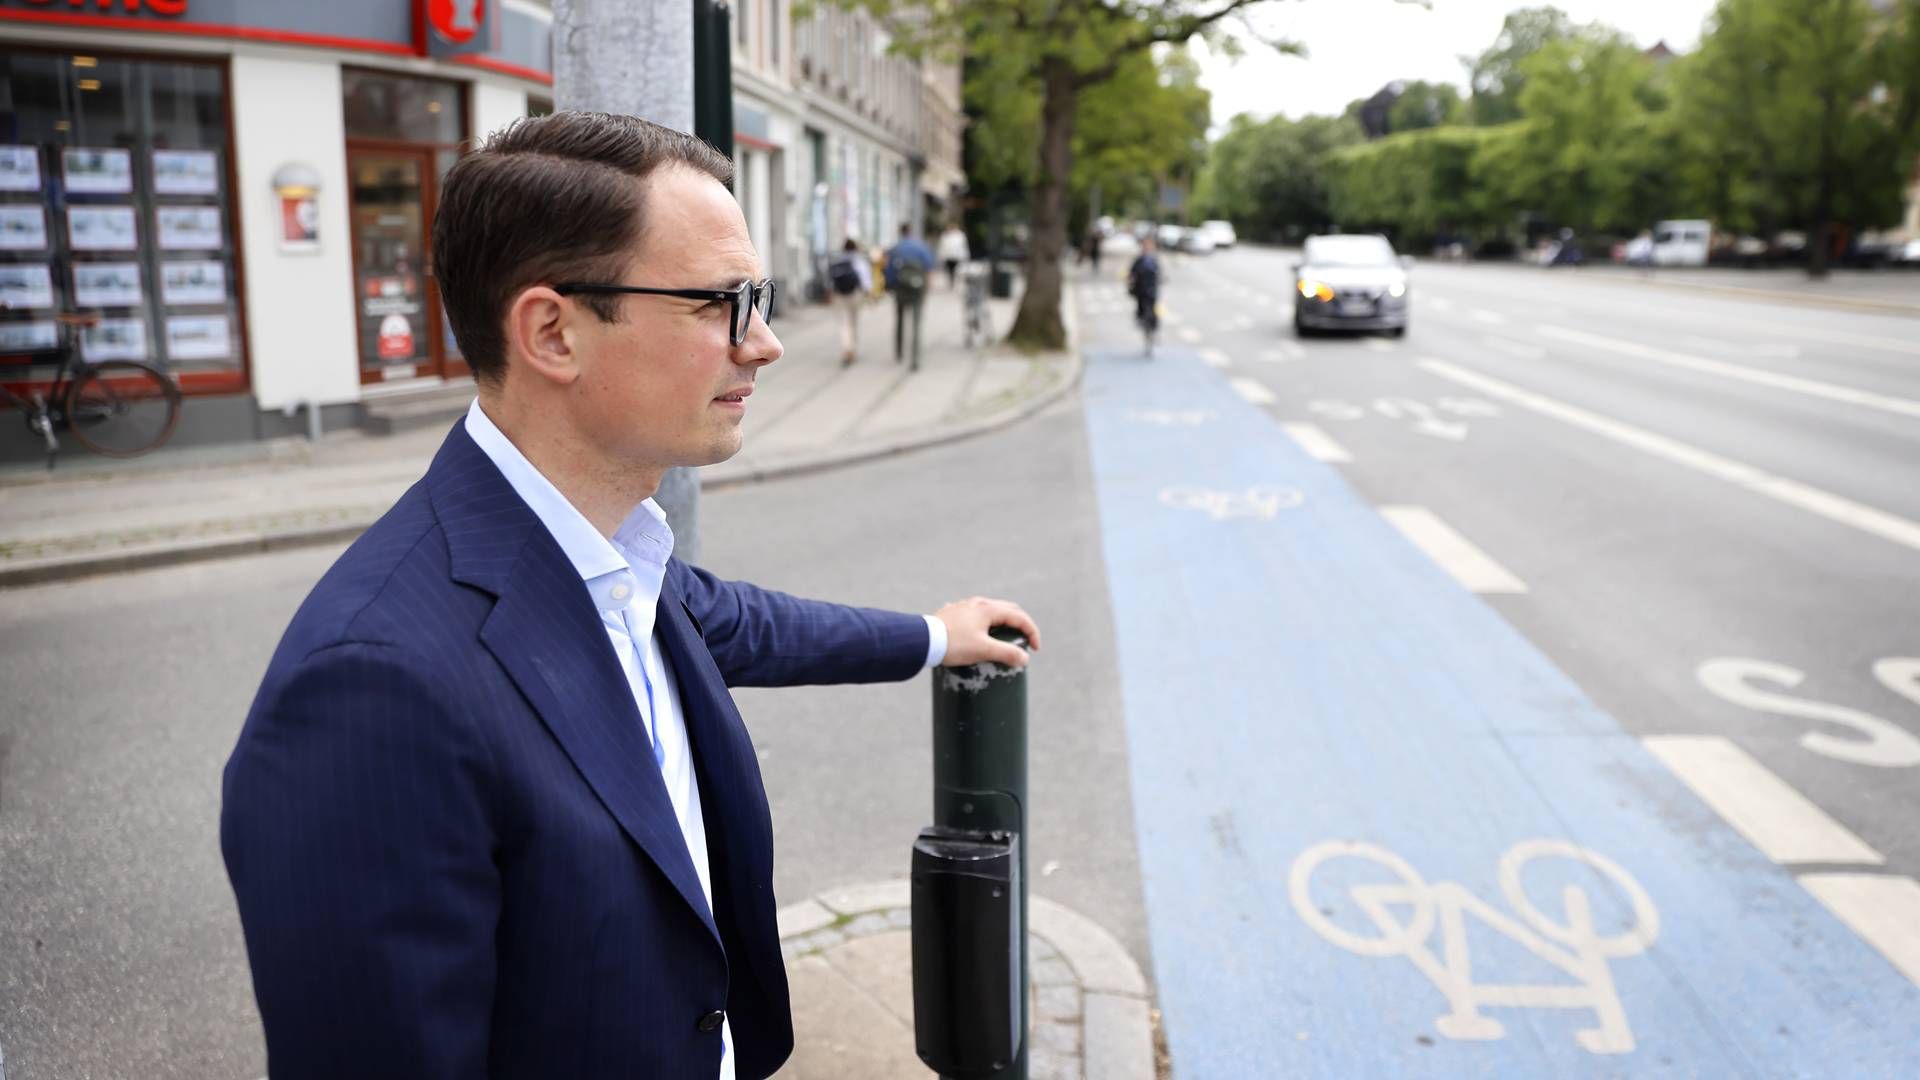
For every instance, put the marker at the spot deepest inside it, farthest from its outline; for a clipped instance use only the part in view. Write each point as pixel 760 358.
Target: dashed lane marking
pixel 1317 443
pixel 1724 369
pixel 1252 391
pixel 1883 909
pixel 1474 569
pixel 1835 508
pixel 1775 818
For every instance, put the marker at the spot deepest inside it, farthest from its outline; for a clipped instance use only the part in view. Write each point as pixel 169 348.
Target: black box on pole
pixel 966 951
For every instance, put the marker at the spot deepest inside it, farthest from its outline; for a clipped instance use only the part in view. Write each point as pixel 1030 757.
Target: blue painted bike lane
pixel 1383 835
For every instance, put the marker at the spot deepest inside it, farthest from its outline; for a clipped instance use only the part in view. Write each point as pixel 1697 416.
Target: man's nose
pixel 762 346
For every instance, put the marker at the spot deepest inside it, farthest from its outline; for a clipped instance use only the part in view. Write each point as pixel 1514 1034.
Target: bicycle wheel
pixel 122 408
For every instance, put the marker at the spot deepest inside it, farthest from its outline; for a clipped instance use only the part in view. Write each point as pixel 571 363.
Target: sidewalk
pixel 93 516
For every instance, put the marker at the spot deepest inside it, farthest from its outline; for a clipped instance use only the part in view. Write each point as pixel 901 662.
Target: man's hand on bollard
pixel 968 642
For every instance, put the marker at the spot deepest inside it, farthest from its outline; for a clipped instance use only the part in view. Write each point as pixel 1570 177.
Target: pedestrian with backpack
pixel 909 265
pixel 852 280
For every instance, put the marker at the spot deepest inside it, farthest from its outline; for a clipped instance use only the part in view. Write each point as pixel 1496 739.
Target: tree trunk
pixel 617 56
pixel 1038 324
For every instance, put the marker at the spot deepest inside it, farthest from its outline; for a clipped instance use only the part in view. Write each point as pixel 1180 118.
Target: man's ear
pixel 541 332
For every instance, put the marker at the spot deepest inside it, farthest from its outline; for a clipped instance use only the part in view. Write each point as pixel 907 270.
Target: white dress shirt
pixel 624 576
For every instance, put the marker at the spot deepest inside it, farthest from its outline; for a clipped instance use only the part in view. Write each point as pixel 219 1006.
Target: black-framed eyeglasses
pixel 742 302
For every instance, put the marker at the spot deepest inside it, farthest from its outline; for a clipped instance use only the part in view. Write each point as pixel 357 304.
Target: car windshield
pixel 1349 251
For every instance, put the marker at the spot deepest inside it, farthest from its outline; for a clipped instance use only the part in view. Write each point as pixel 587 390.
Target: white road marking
pixel 1406 914
pixel 1425 420
pixel 1260 501
pixel 1189 334
pixel 1252 391
pixel 1810 387
pixel 1760 806
pixel 1466 406
pixel 1317 443
pixel 1882 908
pixel 1777 352
pixel 1874 741
pixel 1273 356
pixel 1378 345
pixel 1467 564
pixel 1825 504
pixel 1515 348
pixel 1215 358
pixel 1491 318
pixel 1336 409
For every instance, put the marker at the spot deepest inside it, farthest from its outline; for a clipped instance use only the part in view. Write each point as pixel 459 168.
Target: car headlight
pixel 1397 290
pixel 1316 290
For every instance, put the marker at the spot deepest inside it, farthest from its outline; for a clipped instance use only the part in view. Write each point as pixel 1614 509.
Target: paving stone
pixel 876 896
pixel 804 918
pixel 881 965
pixel 1097 958
pixel 1118 1037
pixel 1049 1065
pixel 1063 1038
pixel 1057 1003
pixel 1051 971
pixel 840 1032
pixel 871 923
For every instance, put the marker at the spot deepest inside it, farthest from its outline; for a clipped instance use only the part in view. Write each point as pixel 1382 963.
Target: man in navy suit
pixel 493 812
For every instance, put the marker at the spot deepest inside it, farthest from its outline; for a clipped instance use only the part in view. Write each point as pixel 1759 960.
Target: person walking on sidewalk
pixel 493 812
pixel 852 280
pixel 954 252
pixel 1143 283
pixel 909 265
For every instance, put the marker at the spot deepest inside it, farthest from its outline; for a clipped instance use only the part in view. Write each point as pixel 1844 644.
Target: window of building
pixel 742 18
pixel 773 33
pixel 115 198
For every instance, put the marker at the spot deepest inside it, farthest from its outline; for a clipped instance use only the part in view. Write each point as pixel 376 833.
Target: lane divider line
pixel 1725 369
pixel 1781 822
pixel 1215 358
pixel 1835 508
pixel 1884 909
pixel 1317 443
pixel 1474 569
pixel 1252 391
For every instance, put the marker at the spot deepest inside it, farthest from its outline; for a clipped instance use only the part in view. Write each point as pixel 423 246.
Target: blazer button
pixel 713 1020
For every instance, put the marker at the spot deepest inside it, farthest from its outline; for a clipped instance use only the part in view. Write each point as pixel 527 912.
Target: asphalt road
pixel 1702 517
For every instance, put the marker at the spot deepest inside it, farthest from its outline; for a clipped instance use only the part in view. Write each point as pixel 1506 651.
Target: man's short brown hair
pixel 547 199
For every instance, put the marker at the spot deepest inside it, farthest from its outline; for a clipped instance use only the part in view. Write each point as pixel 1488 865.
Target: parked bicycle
pixel 117 408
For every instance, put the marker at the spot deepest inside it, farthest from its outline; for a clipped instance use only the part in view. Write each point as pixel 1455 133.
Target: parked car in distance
pixel 1350 282
pixel 1221 232
pixel 1169 237
pixel 1196 242
pixel 1682 243
pixel 1121 244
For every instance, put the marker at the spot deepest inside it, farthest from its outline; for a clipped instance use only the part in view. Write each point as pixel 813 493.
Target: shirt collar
pixel 630 567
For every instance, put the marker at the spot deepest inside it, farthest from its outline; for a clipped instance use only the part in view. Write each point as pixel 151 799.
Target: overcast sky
pixel 1355 47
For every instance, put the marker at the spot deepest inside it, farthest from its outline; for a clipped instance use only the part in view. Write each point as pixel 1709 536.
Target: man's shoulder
pixel 388 587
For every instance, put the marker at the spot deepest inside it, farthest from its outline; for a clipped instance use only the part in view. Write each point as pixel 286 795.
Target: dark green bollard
pixel 980 775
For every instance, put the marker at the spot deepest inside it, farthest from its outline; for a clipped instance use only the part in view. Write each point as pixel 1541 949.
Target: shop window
pixel 114 199
pixel 382 105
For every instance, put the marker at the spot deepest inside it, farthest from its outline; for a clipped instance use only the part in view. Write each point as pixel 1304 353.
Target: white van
pixel 1682 243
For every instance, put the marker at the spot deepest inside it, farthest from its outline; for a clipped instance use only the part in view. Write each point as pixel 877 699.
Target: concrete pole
pixel 634 57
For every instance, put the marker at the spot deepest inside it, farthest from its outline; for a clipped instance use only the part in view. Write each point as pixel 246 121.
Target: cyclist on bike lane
pixel 1143 282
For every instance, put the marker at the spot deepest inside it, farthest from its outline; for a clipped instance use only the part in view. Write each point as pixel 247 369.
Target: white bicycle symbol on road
pixel 1260 501
pixel 1572 945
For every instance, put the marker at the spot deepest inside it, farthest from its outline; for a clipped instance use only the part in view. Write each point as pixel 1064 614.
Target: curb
pixel 1115 1011
pixel 43 571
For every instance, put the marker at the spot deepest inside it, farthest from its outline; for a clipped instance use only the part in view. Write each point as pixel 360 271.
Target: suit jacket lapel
pixel 546 633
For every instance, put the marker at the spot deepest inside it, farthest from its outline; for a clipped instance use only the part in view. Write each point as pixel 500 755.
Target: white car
pixel 1196 242
pixel 1221 232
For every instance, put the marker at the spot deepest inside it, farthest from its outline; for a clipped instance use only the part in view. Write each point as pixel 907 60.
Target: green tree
pixel 1424 105
pixel 1587 139
pixel 1270 178
pixel 1069 47
pixel 1791 99
pixel 1496 74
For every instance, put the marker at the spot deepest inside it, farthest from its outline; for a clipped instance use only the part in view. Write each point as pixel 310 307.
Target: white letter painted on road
pixel 1260 501
pixel 1881 743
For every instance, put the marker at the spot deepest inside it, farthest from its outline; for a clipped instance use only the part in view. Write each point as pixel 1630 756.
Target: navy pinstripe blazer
pixel 452 853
